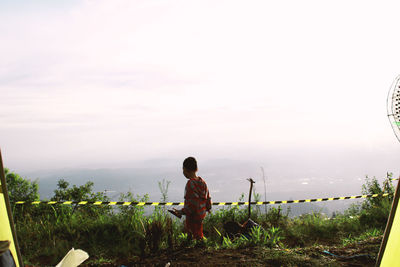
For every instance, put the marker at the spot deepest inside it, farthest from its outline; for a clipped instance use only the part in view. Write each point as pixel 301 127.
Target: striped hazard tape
pixel 110 203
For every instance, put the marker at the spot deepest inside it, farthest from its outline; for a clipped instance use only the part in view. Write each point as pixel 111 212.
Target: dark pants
pixel 6 259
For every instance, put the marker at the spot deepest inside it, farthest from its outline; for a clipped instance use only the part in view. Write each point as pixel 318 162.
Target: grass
pixel 130 234
pixel 351 239
pixel 46 233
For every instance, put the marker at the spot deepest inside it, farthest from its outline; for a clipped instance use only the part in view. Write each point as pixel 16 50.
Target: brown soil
pixel 357 254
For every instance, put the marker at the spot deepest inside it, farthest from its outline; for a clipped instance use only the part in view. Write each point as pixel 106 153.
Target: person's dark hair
pixel 190 164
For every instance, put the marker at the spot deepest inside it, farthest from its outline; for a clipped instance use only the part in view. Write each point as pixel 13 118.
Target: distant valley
pixel 226 181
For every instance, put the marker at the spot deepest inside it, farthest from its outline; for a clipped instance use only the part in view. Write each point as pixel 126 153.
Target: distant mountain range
pixel 226 180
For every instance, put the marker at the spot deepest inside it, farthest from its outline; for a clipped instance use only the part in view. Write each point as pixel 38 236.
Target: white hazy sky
pixel 101 82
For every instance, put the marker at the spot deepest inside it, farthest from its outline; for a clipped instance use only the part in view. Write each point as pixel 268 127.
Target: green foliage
pixel 375 216
pixel 220 216
pixel 375 211
pixel 257 237
pixel 372 186
pixel 77 193
pixel 20 189
pixel 275 216
pixel 317 225
pixel 128 232
pixel 256 198
pixel 367 234
pixel 227 242
pixel 132 211
pixel 273 237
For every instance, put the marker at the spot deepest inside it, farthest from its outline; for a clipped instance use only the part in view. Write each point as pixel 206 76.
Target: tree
pixel 76 193
pixel 79 193
pixel 375 211
pixel 20 189
pixel 372 186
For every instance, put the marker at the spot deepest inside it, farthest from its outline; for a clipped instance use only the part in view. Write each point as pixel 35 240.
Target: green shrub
pixel 126 231
pixel 371 186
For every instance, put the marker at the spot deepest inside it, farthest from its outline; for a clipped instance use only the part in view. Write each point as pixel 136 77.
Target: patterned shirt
pixel 197 199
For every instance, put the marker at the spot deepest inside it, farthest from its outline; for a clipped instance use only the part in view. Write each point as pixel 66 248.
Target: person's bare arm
pixel 177 213
pixel 184 210
pixel 208 202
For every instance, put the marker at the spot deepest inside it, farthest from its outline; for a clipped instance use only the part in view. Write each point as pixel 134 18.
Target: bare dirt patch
pixel 356 254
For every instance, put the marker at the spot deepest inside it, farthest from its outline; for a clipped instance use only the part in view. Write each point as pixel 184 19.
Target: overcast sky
pixel 101 83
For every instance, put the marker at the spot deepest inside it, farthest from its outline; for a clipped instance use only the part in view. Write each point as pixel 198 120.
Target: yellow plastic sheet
pixel 392 250
pixel 5 229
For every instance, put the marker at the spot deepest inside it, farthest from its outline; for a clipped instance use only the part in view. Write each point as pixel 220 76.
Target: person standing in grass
pixel 197 200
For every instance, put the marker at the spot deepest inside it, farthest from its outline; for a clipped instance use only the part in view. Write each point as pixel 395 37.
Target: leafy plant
pixel 372 186
pixel 132 232
pixel 256 236
pixel 273 237
pixel 227 242
pixel 20 189
pixel 367 234
pixel 80 193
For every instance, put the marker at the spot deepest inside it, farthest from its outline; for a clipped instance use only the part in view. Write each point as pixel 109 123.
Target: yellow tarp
pixel 5 229
pixel 392 251
pixel 391 241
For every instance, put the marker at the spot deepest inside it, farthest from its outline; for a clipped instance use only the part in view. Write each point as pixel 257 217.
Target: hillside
pixel 130 235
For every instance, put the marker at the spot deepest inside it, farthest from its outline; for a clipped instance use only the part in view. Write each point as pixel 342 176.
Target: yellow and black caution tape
pixel 111 203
